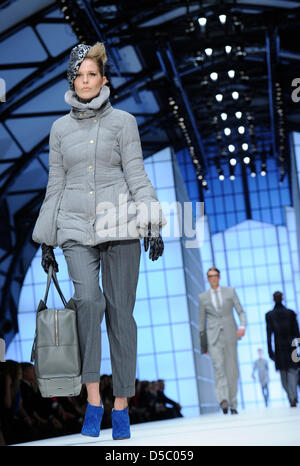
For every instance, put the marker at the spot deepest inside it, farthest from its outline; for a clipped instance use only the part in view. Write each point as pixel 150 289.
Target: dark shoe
pixel 92 420
pixel 224 406
pixel 120 424
pixel 293 403
pixel 233 411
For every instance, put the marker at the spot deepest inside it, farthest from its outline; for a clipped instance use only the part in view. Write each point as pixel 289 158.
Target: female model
pixel 99 203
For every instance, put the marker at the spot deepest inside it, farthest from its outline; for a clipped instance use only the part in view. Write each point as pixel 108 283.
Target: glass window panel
pixel 257 237
pixel 142 290
pixel 235 277
pixel 26 302
pixel 250 295
pixel 27 324
pixel 181 336
pixel 231 240
pixel 259 256
pixel 145 340
pixel 188 392
pixel 172 254
pixel 142 312
pixel 178 309
pixel 105 353
pixel 163 174
pixel 165 366
pixel 248 275
pixel 185 363
pixel 220 260
pixel 171 389
pixel 105 367
pixel 146 368
pixel 233 258
pixel 159 311
pixel 246 258
pixel 218 243
pixel 162 338
pixel 272 255
pixel 175 281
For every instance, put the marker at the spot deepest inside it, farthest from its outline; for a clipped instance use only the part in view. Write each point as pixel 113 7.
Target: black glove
pixel 156 244
pixel 48 258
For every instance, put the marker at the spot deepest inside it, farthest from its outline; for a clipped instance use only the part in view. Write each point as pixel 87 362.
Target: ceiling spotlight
pixel 253 174
pixel 245 146
pixel 231 73
pixel 232 161
pixel 219 97
pixel 208 51
pixel 213 76
pixel 246 159
pixel 241 129
pixel 227 131
pixel 202 21
pixel 232 177
pixel 238 115
pixel 235 95
pixel 222 19
pixel 228 48
pixel 221 177
pixel 231 148
pixel 263 173
pixel 224 116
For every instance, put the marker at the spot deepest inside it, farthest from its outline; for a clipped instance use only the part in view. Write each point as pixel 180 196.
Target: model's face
pixel 88 81
pixel 213 277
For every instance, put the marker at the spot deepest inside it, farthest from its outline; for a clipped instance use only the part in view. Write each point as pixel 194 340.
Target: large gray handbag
pixel 55 350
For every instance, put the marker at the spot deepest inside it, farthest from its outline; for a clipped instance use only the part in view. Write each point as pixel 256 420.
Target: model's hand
pixel 48 258
pixel 240 332
pixel 156 243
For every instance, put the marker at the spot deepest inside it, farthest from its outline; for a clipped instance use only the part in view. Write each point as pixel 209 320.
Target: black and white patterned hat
pixel 77 55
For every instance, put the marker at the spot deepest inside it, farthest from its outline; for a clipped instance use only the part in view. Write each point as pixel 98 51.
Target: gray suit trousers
pixel 119 262
pixel 223 354
pixel 289 380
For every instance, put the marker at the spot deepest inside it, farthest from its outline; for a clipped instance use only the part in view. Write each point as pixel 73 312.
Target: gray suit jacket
pixel 212 321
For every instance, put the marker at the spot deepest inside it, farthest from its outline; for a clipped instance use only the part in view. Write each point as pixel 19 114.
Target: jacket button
pixel 91 141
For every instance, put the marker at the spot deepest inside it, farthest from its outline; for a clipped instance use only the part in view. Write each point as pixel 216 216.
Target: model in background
pixel 261 366
pixel 283 326
pixel 219 335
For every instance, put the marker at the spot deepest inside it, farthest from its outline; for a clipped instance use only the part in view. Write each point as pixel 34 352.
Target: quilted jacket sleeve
pixel 141 188
pixel 46 225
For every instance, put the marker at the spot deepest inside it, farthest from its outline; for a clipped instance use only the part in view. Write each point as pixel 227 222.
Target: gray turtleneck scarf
pixel 88 108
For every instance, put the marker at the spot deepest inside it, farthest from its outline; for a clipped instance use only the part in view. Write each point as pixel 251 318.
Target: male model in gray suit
pixel 219 335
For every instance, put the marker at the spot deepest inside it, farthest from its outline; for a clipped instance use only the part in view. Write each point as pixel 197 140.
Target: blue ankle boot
pixel 120 424
pixel 92 420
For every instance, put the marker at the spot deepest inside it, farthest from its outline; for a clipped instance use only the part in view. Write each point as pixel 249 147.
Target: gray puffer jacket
pixel 97 189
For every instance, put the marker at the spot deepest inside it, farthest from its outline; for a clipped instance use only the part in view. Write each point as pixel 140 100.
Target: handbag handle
pixel 52 275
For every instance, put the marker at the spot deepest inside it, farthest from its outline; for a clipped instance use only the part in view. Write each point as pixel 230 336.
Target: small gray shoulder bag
pixel 55 351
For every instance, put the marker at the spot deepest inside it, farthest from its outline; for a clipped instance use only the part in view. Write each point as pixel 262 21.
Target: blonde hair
pixel 98 53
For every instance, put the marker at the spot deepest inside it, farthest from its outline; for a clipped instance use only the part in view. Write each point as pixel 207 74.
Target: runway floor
pixel 262 427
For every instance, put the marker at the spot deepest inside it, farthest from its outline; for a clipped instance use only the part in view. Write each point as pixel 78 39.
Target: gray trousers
pixel 289 380
pixel 119 262
pixel 226 370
